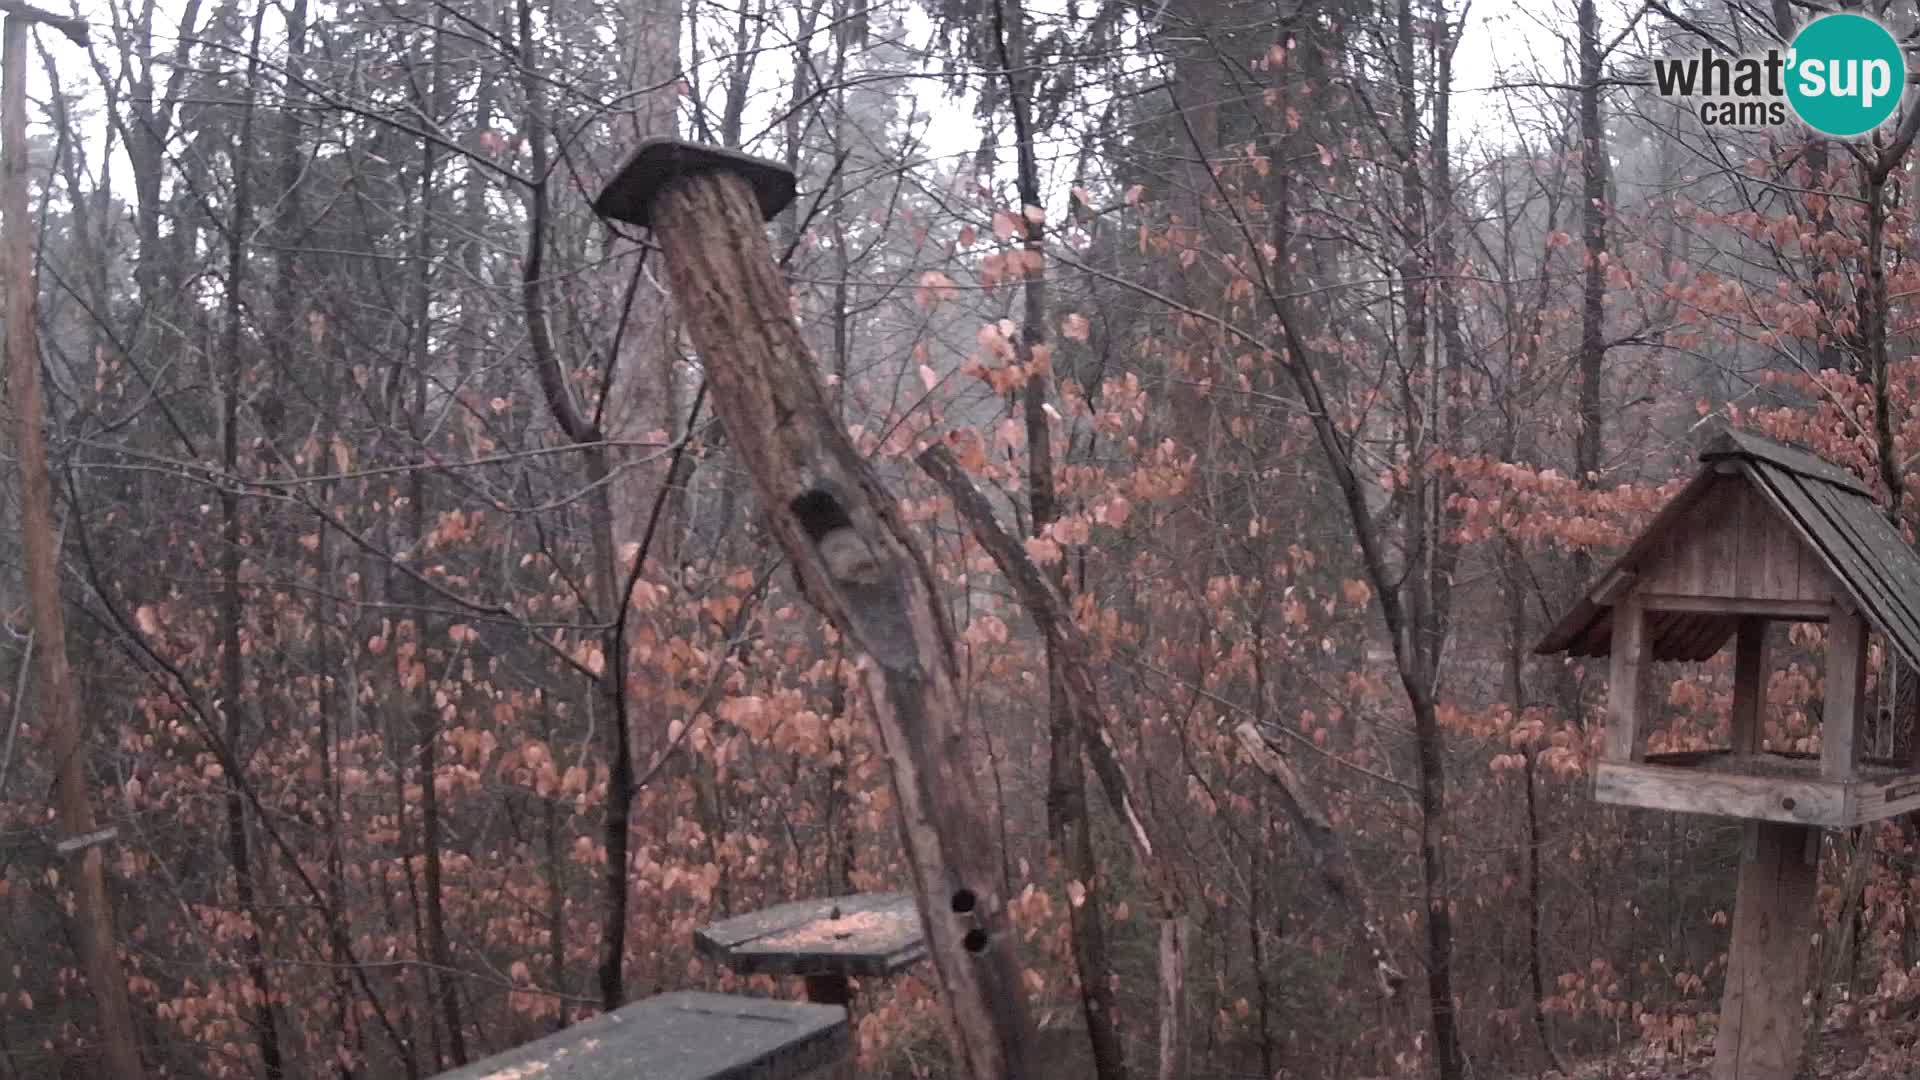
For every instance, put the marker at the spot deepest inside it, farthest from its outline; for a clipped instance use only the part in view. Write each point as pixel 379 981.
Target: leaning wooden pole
pixel 854 558
pixel 80 839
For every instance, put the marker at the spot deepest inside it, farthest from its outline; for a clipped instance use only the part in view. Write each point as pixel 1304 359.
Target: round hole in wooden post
pixel 963 901
pixel 975 941
pixel 1787 803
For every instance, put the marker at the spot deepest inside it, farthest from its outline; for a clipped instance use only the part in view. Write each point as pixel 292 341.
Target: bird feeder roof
pixel 1831 513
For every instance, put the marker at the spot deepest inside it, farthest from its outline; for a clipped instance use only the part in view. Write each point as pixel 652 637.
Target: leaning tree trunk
pixel 855 560
pixel 1068 651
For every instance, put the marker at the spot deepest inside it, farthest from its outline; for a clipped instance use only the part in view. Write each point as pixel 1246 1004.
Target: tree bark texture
pixel 857 562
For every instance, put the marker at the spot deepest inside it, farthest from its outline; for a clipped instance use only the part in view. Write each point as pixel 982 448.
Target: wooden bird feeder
pixel 1765 533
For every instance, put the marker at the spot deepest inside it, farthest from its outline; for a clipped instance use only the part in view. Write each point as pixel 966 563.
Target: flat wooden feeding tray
pixel 1779 787
pixel 682 1036
pixel 865 935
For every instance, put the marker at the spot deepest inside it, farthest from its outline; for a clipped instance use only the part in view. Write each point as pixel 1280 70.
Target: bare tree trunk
pixel 1593 231
pixel 1066 777
pixel 426 714
pixel 643 386
pixel 233 674
pixel 1516 691
pixel 57 702
pixel 1329 853
pixel 605 571
pixel 1424 612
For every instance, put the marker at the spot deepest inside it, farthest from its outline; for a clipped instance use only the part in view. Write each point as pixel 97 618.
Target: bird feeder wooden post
pixel 853 556
pixel 1765 533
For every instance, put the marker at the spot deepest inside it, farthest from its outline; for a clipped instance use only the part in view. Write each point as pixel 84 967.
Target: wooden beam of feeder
pixel 685 1035
pixel 868 935
pixel 855 560
pixel 1762 1021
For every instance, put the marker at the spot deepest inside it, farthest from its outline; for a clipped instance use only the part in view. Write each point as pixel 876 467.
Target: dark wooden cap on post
pixel 660 161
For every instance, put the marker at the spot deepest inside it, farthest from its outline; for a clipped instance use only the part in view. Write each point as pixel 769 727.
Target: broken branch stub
pixel 853 556
pixel 1328 851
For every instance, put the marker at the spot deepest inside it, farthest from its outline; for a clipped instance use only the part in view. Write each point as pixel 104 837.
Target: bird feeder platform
pixel 683 1036
pixel 868 935
pixel 1765 533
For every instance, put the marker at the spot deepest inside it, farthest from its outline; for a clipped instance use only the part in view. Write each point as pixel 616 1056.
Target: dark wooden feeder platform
pixel 682 1036
pixel 870 935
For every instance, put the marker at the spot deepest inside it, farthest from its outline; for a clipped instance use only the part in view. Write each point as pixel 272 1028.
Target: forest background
pixel 438 677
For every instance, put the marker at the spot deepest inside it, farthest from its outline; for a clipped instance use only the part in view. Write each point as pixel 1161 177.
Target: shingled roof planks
pixel 1830 510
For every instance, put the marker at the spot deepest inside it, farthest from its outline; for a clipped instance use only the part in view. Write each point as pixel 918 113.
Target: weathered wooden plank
pixel 1626 684
pixel 1751 521
pixel 1679 560
pixel 1888 552
pixel 1694 791
pixel 1720 541
pixel 1579 621
pixel 1846 692
pixel 1749 685
pixel 1817 584
pixel 865 934
pixel 1762 1018
pixel 1777 550
pixel 1794 610
pixel 682 1036
pixel 1875 800
pixel 1612 587
pixel 1726 547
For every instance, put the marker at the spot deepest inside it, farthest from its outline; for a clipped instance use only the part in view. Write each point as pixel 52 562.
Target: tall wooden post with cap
pixel 80 837
pixel 854 558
